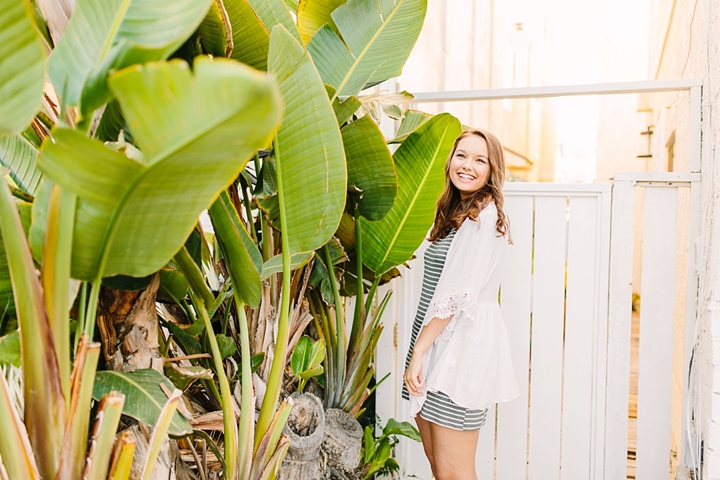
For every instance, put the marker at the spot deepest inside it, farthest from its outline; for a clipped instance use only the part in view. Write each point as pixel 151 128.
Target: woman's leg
pixel 453 452
pixel 427 440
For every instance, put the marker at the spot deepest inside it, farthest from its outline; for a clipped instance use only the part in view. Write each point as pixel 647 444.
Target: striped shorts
pixel 439 409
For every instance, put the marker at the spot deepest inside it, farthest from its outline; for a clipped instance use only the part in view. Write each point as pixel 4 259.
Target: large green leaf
pixel 22 58
pixel 313 14
pixel 309 154
pixel 370 167
pixel 411 121
pixel 251 38
pixel 197 132
pixel 111 123
pixel 20 157
pixel 275 12
pixel 274 264
pixel 307 355
pixel 215 31
pixel 44 403
pixel 144 398
pixel 420 163
pixel 377 37
pixel 242 257
pixel 114 34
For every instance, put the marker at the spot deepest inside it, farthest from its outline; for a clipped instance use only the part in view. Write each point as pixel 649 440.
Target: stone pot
pixel 305 428
pixel 342 441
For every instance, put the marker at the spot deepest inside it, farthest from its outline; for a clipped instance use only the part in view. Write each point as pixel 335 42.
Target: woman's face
pixel 469 165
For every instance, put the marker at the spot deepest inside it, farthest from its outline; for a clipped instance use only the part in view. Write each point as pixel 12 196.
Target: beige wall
pixel 682 47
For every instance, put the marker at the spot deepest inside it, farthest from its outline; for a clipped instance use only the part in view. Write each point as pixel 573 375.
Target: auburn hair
pixel 452 210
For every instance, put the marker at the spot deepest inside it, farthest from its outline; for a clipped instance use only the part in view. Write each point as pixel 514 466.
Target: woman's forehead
pixel 473 144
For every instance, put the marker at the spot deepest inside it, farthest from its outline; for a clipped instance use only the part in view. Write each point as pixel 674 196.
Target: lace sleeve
pixel 450 305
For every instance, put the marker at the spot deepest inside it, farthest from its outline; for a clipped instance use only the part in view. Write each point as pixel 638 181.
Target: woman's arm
pixel 429 333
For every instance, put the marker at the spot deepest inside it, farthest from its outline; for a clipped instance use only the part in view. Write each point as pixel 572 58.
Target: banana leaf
pixel 22 60
pixel 377 38
pixel 113 34
pixel 420 163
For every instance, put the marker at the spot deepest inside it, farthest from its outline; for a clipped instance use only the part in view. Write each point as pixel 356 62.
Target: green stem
pixel 21 194
pixel 194 276
pixel 248 209
pixel 359 315
pixel 340 352
pixel 226 314
pixel 246 434
pixel 90 316
pixel 371 294
pixel 264 227
pixel 272 393
pixel 81 315
pixel 229 425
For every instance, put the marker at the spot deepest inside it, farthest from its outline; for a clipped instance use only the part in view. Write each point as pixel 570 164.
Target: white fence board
pixel 547 336
pixel 516 302
pixel 580 326
pixel 619 325
pixel 656 332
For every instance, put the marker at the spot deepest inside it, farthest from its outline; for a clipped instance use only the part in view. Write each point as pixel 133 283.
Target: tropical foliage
pixel 115 299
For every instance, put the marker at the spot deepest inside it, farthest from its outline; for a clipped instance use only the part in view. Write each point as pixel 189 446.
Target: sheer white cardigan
pixel 470 361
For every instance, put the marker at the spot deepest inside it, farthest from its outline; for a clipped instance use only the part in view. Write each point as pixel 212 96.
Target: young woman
pixel 459 359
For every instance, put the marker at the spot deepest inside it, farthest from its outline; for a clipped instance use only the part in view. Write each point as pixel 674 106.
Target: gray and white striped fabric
pixel 438 407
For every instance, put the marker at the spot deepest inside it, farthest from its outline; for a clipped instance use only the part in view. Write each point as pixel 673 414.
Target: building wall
pixel 684 44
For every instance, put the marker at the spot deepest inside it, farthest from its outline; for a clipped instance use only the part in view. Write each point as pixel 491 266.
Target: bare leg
pixel 453 453
pixel 427 440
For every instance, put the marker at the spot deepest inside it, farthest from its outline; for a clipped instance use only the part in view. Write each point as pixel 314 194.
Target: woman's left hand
pixel 413 376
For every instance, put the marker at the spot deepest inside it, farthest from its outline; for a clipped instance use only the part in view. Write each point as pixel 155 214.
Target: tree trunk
pixel 128 325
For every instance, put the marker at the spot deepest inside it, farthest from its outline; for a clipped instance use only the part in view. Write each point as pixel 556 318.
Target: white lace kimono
pixel 470 361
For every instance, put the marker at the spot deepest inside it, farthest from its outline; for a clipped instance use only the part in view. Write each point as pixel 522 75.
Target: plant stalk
pixel 272 393
pixel 359 314
pixel 371 294
pixel 246 434
pixel 229 425
pixel 340 352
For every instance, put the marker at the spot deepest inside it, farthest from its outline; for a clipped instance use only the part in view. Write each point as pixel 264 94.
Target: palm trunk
pixel 128 326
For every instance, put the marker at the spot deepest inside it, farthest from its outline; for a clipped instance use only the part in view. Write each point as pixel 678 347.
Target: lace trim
pixel 450 305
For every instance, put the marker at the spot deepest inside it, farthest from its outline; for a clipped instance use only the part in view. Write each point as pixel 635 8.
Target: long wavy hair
pixel 452 210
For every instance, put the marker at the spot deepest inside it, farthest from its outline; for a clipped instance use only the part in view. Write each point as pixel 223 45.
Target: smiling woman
pixel 458 328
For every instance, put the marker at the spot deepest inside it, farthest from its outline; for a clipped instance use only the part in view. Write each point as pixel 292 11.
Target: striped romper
pixel 438 407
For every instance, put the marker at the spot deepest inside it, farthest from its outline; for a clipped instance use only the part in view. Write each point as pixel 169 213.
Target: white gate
pixel 566 300
pixel 571 352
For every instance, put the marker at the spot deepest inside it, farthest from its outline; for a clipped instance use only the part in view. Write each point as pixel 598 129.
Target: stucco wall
pixel 684 44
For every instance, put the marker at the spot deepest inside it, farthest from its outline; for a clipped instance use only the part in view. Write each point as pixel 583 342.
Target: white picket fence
pixel 566 300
